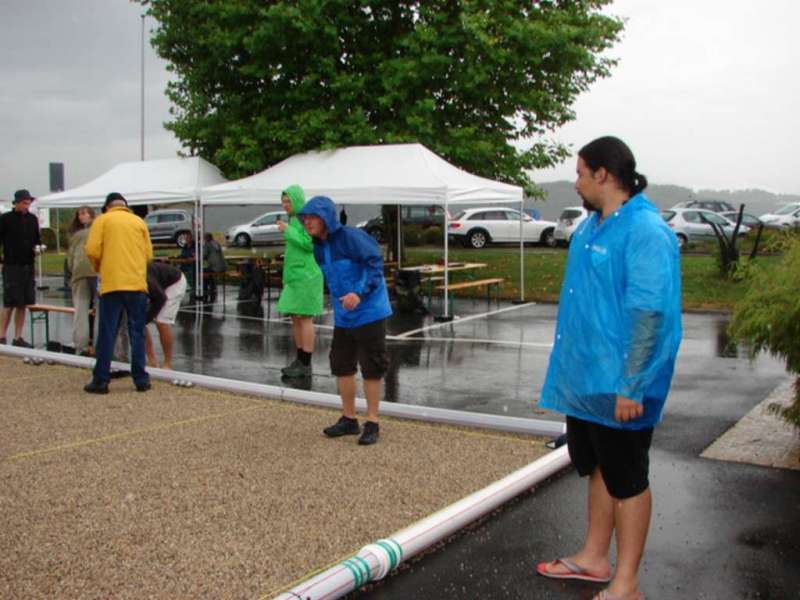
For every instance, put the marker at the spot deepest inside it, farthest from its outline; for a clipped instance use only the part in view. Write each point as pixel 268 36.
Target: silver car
pixel 170 225
pixel 693 224
pixel 262 230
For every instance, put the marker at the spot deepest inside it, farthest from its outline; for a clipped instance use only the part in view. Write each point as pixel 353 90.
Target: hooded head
pixel 296 197
pixel 324 208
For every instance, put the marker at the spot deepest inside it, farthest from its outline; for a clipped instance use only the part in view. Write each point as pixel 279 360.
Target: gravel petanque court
pixel 192 493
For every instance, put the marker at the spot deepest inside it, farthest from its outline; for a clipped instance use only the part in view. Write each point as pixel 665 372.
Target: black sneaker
pixel 119 373
pixel 2 340
pixel 344 426
pixel 20 343
pixel 293 365
pixel 143 387
pixel 96 387
pixel 370 435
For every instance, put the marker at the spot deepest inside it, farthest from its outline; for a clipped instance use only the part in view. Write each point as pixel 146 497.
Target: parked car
pixel 692 224
pixel 423 216
pixel 477 227
pixel 568 222
pixel 262 230
pixel 717 206
pixel 785 217
pixel 751 221
pixel 170 225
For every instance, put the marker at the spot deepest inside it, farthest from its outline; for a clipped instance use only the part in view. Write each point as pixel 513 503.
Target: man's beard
pixel 588 206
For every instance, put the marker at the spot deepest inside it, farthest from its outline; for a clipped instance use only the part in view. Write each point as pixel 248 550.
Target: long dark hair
pixel 76 224
pixel 614 156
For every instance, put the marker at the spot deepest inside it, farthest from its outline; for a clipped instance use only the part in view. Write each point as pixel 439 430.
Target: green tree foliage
pixel 256 81
pixel 768 317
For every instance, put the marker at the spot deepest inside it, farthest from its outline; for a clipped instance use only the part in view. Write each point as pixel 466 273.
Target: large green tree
pixel 258 80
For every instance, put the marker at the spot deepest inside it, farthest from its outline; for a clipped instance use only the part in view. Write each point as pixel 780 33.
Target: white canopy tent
pixel 163 181
pixel 142 182
pixel 381 174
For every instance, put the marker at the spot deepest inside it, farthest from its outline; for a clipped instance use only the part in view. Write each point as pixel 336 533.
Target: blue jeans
pixel 111 306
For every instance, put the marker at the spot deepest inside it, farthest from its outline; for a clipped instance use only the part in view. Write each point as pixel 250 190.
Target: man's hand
pixel 627 409
pixel 350 301
pixel 282 225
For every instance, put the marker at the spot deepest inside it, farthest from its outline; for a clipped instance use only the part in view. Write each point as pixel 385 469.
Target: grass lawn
pixel 544 270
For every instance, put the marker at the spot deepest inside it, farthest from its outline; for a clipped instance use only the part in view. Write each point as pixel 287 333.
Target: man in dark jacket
pixel 166 287
pixel 352 264
pixel 19 237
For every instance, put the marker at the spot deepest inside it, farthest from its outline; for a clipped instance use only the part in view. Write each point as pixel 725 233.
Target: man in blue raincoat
pixel 352 264
pixel 617 337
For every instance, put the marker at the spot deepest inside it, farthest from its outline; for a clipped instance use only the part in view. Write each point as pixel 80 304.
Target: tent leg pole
pixel 521 255
pixel 445 316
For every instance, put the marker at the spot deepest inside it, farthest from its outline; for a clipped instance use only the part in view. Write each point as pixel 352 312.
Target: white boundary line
pixel 465 319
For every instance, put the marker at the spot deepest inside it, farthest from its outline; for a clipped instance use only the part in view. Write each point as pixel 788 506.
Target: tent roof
pixel 142 182
pixel 381 174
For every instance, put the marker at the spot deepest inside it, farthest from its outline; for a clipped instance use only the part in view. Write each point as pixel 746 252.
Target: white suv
pixel 568 222
pixel 478 227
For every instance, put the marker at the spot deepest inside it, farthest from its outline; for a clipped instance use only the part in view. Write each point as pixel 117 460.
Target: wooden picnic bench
pixel 41 312
pixel 492 282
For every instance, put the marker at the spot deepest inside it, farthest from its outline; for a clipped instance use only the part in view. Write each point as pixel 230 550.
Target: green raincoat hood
pixel 296 197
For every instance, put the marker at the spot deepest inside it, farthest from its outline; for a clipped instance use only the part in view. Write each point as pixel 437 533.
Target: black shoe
pixel 143 387
pixel 118 374
pixel 370 435
pixel 344 426
pixel 96 387
pixel 20 343
pixel 2 340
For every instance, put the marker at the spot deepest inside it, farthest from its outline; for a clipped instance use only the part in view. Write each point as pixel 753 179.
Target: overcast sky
pixel 706 93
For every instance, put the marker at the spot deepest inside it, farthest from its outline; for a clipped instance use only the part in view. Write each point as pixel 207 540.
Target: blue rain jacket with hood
pixel 351 261
pixel 619 318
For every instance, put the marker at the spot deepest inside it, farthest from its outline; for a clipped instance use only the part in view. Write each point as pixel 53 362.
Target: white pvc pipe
pixel 521 251
pixel 375 560
pixel 390 409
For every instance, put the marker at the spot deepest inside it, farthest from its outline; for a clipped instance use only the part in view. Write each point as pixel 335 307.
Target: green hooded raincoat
pixel 302 278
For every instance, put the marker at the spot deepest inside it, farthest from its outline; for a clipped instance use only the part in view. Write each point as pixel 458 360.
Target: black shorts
pixel 621 454
pixel 18 285
pixel 365 346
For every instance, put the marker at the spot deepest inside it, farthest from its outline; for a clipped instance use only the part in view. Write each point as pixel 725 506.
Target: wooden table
pixel 431 273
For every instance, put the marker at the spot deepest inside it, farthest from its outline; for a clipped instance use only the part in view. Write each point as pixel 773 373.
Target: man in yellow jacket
pixel 119 249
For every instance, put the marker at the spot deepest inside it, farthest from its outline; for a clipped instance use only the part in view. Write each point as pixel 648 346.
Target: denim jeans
pixel 111 306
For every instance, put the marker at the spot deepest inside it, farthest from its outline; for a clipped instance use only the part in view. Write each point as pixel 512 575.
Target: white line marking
pixel 400 338
pixel 465 319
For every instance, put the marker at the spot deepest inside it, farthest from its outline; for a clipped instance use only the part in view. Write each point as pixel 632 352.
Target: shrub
pixel 432 236
pixel 768 318
pixel 411 236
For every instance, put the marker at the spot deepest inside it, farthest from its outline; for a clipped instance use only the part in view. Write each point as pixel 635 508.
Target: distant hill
pixel 560 194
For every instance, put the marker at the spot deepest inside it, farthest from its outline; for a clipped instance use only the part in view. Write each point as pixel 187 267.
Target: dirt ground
pixel 191 493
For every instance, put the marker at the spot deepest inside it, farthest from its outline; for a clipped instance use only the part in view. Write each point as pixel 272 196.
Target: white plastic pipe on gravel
pixel 375 560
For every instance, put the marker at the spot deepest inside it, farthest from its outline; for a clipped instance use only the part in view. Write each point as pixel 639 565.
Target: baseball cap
pixel 111 197
pixel 20 195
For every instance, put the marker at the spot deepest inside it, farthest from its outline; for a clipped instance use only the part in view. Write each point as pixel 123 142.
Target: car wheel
pixel 182 238
pixel 478 239
pixel 682 241
pixel 548 239
pixel 242 240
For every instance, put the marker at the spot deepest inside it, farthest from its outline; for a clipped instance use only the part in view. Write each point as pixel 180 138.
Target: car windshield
pixel 667 214
pixel 459 215
pixel 571 213
pixel 788 209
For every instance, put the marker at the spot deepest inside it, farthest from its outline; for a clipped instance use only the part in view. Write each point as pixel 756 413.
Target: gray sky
pixel 706 93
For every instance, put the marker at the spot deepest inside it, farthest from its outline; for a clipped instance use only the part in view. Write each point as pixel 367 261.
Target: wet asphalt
pixel 719 529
